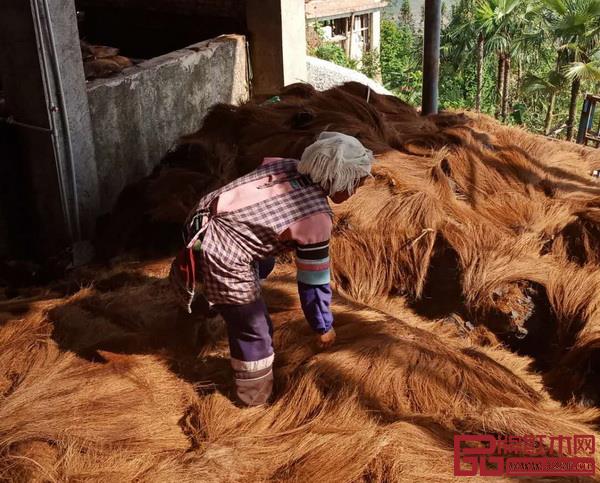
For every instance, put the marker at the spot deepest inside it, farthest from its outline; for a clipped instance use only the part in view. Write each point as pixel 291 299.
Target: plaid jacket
pixel 231 242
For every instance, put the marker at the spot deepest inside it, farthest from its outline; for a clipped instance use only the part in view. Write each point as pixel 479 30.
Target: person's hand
pixel 327 339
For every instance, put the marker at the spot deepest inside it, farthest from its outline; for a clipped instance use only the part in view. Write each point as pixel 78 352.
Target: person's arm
pixel 311 238
pixel 314 289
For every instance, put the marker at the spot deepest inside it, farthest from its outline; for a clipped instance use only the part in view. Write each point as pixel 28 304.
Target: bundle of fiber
pixel 102 61
pixel 234 140
pixel 493 261
pixel 464 216
pixel 98 386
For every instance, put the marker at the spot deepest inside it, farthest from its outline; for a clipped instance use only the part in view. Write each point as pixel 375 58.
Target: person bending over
pixel 234 232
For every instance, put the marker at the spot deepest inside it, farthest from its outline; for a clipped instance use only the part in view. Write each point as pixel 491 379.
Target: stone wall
pixel 138 115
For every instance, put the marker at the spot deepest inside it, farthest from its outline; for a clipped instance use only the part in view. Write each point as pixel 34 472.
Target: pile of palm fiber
pixel 102 384
pixel 437 265
pixel 465 218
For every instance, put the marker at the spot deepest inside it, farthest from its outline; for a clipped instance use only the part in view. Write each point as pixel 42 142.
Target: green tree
pixel 406 16
pixel 548 84
pixel 370 64
pixel 466 37
pixel 482 27
pixel 524 61
pixel 576 26
pixel 328 50
pixel 498 22
pixel 392 11
pixel 400 59
pixel 334 53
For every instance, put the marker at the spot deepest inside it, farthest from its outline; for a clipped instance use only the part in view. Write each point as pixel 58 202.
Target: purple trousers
pixel 250 333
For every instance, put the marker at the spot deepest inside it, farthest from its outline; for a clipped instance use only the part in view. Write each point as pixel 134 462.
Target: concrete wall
pixel 323 74
pixel 277 35
pixel 138 115
pixel 293 41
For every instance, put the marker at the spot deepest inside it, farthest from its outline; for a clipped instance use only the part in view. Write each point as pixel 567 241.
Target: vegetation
pixel 523 61
pixel 333 52
pixel 526 62
pixel 401 60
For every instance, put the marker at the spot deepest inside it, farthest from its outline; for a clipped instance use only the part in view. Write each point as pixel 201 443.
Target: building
pixel 68 147
pixel 353 24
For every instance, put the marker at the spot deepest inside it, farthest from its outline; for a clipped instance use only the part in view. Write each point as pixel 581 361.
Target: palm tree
pixel 479 75
pixel 460 32
pixel 478 26
pixel 550 83
pixel 528 39
pixel 576 26
pixel 579 72
pixel 495 21
pixel 510 29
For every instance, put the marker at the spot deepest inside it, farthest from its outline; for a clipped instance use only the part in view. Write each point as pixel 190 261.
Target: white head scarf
pixel 336 161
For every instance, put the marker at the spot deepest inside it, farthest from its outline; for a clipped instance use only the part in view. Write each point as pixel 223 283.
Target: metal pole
pixel 431 56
